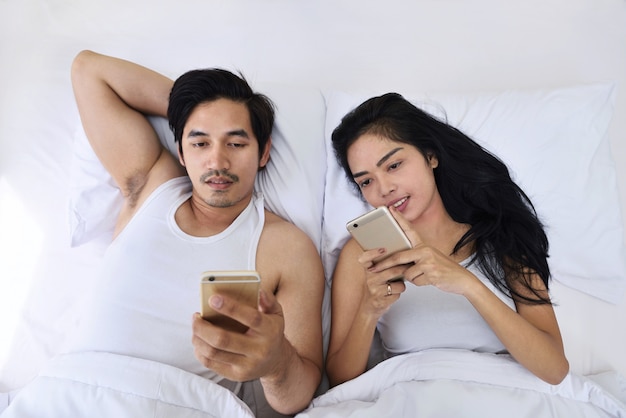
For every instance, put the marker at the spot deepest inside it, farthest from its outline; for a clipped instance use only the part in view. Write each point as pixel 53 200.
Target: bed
pixel 540 83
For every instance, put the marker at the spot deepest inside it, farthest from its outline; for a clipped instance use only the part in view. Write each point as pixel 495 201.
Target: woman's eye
pixel 364 183
pixel 394 166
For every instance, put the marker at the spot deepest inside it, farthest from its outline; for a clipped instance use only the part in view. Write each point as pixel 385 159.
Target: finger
pixel 366 259
pixel 223 363
pixel 201 328
pixel 417 278
pixel 268 303
pixel 234 309
pixel 197 324
pixel 406 227
pixel 393 267
pixel 386 271
pixel 215 342
pixel 394 287
pixel 389 289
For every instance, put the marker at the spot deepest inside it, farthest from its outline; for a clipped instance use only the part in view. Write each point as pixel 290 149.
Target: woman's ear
pixel 433 161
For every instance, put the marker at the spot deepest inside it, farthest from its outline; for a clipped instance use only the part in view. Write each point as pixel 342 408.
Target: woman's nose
pixel 386 187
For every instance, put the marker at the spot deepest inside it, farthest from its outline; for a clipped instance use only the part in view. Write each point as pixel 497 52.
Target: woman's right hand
pixel 381 288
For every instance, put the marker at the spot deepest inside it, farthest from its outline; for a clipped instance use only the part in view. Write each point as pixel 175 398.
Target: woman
pixel 476 277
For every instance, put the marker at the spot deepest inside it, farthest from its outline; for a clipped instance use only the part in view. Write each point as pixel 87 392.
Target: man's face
pixel 221 153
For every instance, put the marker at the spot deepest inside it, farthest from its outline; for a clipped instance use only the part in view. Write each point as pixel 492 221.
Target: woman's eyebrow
pixel 380 162
pixel 387 156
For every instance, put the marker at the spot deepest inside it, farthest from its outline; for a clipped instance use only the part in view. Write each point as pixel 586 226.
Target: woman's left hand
pixel 428 265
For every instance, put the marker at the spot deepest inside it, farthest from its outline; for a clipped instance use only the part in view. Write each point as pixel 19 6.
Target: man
pixel 172 227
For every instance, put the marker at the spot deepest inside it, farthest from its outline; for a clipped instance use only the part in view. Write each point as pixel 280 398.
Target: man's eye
pixel 364 183
pixel 237 145
pixel 198 144
pixel 393 166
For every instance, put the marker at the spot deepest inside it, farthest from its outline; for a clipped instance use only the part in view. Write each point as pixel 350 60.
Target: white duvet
pixel 435 383
pixel 454 383
pixel 105 385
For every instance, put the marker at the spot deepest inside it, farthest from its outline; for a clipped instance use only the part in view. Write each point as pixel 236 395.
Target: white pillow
pixel 556 145
pixel 292 183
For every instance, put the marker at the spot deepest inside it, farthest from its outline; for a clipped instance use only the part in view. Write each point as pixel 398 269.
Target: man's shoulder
pixel 275 224
pixel 285 251
pixel 286 236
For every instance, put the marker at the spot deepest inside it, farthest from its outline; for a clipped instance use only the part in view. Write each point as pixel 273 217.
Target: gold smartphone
pixel 242 285
pixel 379 229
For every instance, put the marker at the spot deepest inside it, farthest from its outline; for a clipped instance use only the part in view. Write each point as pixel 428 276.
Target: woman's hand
pixel 383 286
pixel 426 265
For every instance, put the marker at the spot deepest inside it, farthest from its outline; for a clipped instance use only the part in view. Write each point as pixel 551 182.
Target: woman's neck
pixel 443 233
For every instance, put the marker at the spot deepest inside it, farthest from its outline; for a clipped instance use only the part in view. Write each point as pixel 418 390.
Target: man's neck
pixel 202 220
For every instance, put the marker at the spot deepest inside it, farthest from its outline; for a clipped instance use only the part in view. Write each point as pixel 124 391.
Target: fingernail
pixel 216 301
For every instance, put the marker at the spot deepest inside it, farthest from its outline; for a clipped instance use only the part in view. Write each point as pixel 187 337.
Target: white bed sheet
pixel 97 384
pixel 457 383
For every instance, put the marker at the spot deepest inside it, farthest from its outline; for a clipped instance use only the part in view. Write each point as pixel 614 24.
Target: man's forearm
pixel 113 97
pixel 139 87
pixel 291 387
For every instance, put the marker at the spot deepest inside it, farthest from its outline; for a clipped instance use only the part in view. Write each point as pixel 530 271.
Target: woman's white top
pixel 425 317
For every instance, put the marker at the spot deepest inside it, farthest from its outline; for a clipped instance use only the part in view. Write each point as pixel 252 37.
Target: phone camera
pixel 355 225
pixel 211 278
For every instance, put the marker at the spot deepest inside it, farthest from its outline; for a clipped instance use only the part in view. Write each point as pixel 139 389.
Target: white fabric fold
pixel 461 383
pixel 104 385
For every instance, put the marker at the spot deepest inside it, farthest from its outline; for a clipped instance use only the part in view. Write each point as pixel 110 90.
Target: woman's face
pixel 395 174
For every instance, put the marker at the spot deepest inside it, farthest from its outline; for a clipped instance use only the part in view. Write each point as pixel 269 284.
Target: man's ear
pixel 265 155
pixel 181 158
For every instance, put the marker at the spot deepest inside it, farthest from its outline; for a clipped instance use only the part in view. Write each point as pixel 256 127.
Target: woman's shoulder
pixel 351 247
pixel 348 262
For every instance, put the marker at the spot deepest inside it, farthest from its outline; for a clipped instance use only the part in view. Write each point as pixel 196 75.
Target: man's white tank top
pixel 148 289
pixel 425 317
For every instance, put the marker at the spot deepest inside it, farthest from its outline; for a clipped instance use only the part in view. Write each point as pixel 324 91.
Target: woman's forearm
pixel 349 357
pixel 531 335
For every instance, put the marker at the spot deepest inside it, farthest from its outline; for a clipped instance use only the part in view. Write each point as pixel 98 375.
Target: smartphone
pixel 379 229
pixel 242 285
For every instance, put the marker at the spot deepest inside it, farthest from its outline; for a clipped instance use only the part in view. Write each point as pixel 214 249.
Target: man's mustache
pixel 219 173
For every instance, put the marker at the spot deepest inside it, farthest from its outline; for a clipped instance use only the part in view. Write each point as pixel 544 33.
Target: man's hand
pixel 259 352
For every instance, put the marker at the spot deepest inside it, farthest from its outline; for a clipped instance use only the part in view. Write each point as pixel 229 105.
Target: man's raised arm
pixel 113 97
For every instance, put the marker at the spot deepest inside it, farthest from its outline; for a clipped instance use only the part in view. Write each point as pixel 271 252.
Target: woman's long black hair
pixel 508 239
